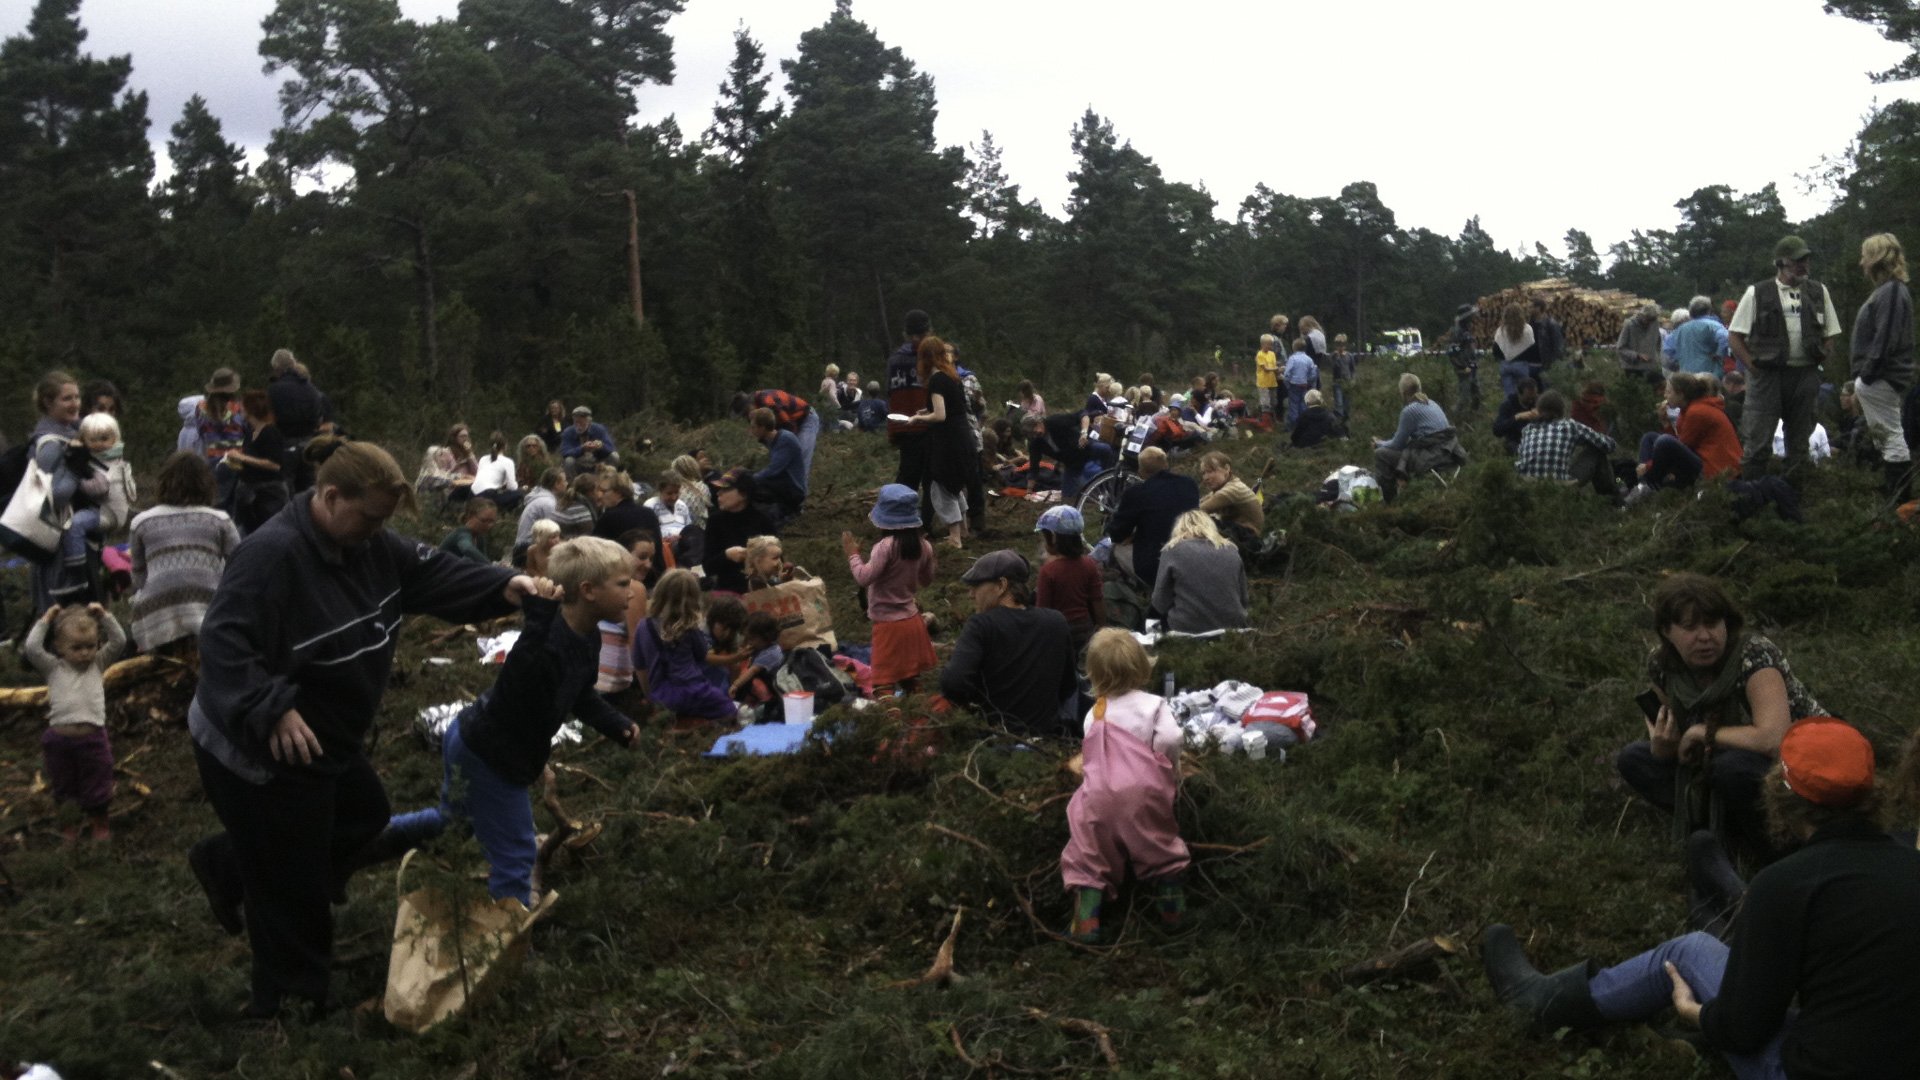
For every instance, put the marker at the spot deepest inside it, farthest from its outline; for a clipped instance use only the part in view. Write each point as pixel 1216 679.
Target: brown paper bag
pixel 443 959
pixel 806 619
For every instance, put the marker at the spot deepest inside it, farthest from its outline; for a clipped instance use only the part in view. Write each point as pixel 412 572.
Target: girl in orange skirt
pixel 899 566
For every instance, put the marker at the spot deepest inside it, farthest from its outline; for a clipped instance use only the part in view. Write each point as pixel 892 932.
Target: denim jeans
pixel 498 812
pixel 1296 402
pixel 1639 989
pixel 1670 462
pixel 809 436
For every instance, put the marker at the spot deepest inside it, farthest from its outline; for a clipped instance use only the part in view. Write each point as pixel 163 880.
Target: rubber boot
pixel 1549 1002
pixel 1085 928
pixel 1714 885
pixel 1170 902
pixel 1899 481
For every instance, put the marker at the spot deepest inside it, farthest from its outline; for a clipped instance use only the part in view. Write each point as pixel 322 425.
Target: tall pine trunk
pixel 429 305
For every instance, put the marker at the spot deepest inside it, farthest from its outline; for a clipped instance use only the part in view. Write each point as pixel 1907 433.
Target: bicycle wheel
pixel 1101 497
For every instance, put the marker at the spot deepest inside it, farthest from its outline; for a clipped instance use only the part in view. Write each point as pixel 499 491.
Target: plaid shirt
pixel 788 411
pixel 1547 448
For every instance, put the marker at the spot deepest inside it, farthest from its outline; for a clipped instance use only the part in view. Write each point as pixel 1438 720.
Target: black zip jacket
pixel 549 673
pixel 299 622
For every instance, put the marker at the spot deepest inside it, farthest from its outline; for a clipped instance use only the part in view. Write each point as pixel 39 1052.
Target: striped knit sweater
pixel 178 555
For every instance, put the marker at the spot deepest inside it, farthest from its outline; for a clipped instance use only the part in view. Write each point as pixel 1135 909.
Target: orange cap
pixel 1827 762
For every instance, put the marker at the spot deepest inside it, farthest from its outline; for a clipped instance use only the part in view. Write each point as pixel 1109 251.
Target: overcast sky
pixel 1536 116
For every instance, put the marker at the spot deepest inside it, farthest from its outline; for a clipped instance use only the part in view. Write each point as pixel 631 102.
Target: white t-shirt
pixel 1790 304
pixel 673 519
pixel 495 473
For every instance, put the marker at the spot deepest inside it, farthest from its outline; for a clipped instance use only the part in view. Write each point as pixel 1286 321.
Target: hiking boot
pixel 1713 883
pixel 1170 902
pixel 1549 1002
pixel 1085 928
pixel 98 828
pixel 223 893
pixel 1899 481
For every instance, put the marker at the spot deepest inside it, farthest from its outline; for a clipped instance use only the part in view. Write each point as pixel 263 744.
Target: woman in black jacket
pixel 295 651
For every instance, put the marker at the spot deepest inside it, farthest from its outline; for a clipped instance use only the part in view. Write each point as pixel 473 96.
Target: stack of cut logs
pixel 1588 315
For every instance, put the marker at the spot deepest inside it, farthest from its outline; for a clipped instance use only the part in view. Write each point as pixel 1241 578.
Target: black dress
pixel 951 454
pixel 260 492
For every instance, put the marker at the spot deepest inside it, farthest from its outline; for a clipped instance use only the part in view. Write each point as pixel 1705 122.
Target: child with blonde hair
pixel 74 749
pixel 896 569
pixel 672 648
pixel 546 536
pixel 499 745
pixel 1121 818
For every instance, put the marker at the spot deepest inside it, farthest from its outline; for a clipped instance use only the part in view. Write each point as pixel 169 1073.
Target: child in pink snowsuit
pixel 1122 816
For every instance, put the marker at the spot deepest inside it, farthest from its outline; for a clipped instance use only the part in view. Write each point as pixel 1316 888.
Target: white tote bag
pixel 31 525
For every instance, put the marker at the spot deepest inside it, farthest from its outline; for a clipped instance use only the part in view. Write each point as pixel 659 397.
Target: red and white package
pixel 1286 707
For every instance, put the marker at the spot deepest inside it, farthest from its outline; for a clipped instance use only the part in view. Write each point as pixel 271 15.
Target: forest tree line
pixel 465 216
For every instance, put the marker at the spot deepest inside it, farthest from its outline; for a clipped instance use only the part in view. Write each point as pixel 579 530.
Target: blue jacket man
pixel 586 444
pixel 1148 510
pixel 784 480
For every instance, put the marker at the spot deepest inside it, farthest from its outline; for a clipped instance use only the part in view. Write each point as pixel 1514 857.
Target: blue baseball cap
pixel 1060 519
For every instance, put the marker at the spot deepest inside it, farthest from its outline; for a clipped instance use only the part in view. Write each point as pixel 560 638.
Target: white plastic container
pixel 799 707
pixel 1254 743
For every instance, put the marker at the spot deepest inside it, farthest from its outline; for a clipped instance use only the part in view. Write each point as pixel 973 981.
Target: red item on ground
pixel 1287 707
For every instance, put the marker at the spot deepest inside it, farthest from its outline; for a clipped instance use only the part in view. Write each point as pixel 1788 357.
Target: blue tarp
pixel 761 740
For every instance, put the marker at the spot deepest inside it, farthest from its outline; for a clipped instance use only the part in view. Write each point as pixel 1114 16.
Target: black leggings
pixel 289 846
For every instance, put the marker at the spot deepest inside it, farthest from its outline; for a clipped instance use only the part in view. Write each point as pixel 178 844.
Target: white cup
pixel 799 707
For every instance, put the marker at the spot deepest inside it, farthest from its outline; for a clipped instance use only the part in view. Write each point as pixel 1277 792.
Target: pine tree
pixel 75 165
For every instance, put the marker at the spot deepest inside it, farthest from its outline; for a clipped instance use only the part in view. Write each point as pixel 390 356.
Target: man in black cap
pixel 1013 662
pixel 1781 334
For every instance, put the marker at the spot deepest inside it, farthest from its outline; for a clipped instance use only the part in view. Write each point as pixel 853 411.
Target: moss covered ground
pixel 1472 654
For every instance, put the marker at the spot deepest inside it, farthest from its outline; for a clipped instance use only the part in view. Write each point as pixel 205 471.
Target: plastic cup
pixel 798 706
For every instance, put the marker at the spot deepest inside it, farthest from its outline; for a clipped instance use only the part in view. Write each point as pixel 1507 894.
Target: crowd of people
pixel 637 596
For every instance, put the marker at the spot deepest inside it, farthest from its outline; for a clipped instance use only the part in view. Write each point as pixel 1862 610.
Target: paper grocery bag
pixel 800 605
pixel 448 954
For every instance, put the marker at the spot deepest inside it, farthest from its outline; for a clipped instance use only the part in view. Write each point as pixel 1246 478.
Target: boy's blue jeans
pixel 499 813
pixel 1639 989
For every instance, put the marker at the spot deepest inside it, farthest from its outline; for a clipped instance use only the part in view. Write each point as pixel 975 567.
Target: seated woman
pixel 1718 687
pixel 497 477
pixel 1201 585
pixel 1423 441
pixel 1818 980
pixel 1703 444
pixel 466 464
pixel 1228 497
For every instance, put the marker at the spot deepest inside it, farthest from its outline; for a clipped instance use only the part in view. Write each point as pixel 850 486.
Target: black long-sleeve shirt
pixel 299 622
pixel 1016 663
pixel 1834 923
pixel 549 673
